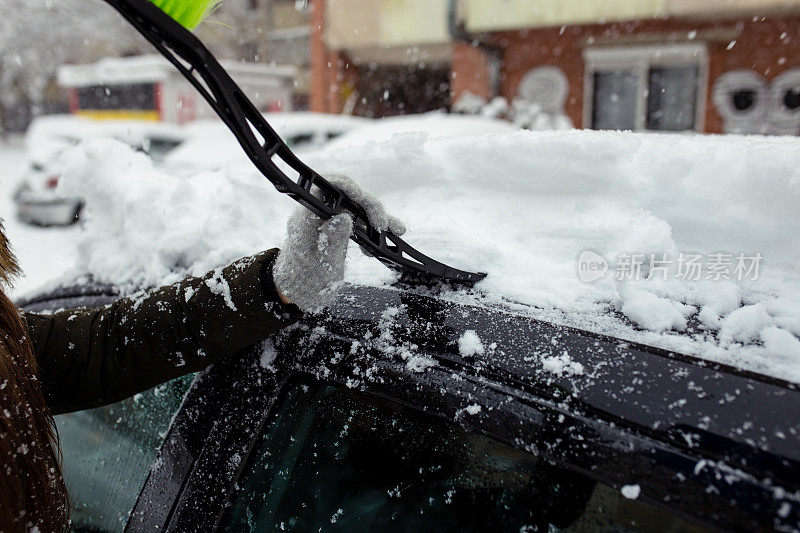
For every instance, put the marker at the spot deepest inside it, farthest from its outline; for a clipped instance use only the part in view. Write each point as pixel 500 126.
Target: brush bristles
pixel 187 13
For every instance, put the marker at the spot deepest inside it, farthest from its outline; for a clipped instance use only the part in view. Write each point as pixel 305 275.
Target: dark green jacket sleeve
pixel 92 357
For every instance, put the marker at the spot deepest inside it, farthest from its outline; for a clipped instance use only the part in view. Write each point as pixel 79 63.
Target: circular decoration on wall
pixel 547 86
pixel 741 94
pixel 785 96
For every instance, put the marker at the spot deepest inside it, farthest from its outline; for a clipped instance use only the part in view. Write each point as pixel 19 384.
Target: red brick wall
pixel 332 74
pixel 469 71
pixel 525 50
pixel 769 46
pixel 318 100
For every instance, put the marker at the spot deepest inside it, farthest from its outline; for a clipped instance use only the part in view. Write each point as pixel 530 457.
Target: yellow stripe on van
pixel 119 114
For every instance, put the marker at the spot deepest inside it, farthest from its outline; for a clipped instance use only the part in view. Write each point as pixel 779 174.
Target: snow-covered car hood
pixel 522 206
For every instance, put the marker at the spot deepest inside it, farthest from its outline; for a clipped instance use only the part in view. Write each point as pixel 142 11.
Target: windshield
pixel 108 453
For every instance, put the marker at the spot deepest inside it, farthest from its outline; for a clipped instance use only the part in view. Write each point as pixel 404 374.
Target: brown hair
pixel 32 490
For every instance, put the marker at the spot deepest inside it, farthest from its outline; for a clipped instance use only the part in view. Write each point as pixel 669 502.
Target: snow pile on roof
pixel 210 144
pixel 152 68
pixel 144 227
pixel 115 70
pixel 522 206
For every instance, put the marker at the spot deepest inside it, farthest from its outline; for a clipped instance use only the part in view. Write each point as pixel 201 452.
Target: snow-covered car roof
pixel 210 145
pixel 526 207
pixel 151 68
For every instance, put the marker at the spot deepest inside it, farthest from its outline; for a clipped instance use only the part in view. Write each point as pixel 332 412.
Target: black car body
pixel 369 418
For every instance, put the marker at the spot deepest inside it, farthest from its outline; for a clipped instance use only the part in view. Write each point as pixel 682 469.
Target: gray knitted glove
pixel 310 267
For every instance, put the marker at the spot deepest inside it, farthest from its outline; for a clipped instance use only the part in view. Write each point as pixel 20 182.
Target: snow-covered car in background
pixel 210 145
pixel 37 197
pixel 435 125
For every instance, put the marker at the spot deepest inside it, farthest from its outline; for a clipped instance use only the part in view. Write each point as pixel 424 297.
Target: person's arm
pixel 93 357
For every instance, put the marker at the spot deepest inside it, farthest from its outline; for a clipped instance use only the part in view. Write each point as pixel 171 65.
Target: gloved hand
pixel 310 267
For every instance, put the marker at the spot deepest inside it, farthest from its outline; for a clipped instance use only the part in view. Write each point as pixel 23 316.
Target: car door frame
pixel 565 419
pixel 227 407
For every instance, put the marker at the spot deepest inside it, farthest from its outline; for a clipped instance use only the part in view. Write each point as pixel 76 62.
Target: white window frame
pixel 641 59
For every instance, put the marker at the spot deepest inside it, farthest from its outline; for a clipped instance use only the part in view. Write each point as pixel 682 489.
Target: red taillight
pixel 52 182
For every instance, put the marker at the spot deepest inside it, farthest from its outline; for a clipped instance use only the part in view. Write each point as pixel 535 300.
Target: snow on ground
pixel 522 206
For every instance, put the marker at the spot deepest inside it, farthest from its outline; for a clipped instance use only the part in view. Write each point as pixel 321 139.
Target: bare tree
pixel 36 36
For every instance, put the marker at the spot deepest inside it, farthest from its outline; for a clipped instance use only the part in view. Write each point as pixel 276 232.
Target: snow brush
pixel 188 14
pixel 167 24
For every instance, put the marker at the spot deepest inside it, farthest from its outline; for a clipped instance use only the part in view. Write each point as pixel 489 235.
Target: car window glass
pixel 107 453
pixel 300 139
pixel 672 97
pixel 338 460
pixel 158 147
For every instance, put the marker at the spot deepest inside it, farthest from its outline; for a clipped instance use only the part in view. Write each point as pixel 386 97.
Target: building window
pixel 134 96
pixel 614 102
pixel 656 88
pixel 250 51
pixel 672 98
